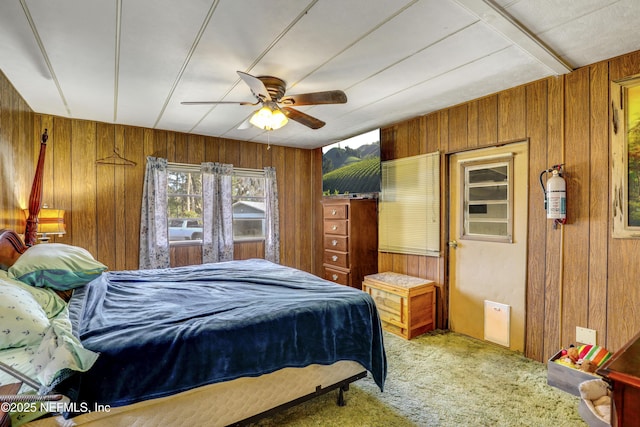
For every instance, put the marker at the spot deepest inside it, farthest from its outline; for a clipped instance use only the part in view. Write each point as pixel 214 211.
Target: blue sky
pixel 356 141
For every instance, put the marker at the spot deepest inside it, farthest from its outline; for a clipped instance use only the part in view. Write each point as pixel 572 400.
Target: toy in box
pixel 571 366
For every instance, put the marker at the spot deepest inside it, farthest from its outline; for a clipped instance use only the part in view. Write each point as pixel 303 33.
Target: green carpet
pixel 444 379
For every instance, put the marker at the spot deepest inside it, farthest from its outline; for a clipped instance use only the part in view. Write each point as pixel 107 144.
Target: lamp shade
pixel 267 118
pixel 50 221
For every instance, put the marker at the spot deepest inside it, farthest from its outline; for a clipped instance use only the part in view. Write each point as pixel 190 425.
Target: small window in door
pixel 487 201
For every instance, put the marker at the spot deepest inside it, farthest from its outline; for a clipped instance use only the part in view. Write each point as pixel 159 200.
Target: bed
pixel 215 344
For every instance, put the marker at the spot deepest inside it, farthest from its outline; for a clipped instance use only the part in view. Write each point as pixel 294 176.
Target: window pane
pixel 184 205
pixel 248 207
pixel 493 174
pixel 485 211
pixel 185 229
pixel 497 192
pixel 488 228
pixel 248 229
pixel 247 187
pixel 487 204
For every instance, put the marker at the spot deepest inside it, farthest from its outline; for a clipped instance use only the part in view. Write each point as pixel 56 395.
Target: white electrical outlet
pixel 585 336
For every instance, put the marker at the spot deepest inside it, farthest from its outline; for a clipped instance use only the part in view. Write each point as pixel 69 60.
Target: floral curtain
pixel 154 238
pixel 272 237
pixel 217 216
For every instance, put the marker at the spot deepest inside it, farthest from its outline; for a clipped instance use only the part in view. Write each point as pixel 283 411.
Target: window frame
pixel 237 172
pixel 185 168
pixel 464 220
pixel 251 173
pixel 619 131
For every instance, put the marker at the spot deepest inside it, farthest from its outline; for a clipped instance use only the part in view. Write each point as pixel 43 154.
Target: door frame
pixel 446 204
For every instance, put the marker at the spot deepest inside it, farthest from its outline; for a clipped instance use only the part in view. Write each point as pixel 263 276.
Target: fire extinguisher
pixel 555 195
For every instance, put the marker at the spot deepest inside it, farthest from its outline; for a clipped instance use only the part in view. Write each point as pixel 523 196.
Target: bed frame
pixel 238 402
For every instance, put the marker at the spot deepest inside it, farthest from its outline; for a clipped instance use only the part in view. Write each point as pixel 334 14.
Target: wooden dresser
pixel 406 304
pixel 350 239
pixel 622 371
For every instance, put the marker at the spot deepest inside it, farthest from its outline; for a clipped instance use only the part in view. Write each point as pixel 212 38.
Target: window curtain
pixel 217 215
pixel 272 237
pixel 154 235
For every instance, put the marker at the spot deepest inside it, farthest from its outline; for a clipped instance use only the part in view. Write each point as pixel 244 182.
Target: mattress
pixel 209 323
pixel 217 404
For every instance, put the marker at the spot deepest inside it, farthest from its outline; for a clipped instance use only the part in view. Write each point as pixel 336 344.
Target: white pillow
pixel 22 320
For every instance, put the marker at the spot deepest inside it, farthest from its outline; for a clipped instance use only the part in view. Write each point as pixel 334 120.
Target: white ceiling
pixel 133 61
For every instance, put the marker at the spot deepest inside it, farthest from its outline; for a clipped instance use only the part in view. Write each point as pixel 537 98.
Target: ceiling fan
pixel 276 107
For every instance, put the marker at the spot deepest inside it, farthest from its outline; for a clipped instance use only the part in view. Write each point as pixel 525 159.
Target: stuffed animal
pixel 587 358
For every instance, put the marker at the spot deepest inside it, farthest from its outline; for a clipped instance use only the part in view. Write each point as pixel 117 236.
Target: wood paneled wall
pixel 102 202
pixel 17 162
pixel 577 275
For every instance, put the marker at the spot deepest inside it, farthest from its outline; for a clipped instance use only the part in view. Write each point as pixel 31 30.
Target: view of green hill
pixel 338 157
pixel 360 177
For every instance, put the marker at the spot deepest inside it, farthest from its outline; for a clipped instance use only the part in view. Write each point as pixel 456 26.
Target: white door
pixel 488 243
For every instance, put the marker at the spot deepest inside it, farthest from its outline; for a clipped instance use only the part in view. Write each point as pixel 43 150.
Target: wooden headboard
pixel 11 247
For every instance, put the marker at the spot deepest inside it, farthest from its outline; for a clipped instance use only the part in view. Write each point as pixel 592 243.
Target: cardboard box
pixel 566 378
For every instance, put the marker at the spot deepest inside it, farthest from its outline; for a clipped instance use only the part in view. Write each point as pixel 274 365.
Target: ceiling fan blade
pixel 256 85
pixel 217 102
pixel 328 97
pixel 302 118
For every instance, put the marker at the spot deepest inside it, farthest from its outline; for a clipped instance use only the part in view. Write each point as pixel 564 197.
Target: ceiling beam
pixel 498 19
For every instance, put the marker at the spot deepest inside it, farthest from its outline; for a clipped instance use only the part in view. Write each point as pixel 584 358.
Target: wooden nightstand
pixel 8 389
pixel 406 304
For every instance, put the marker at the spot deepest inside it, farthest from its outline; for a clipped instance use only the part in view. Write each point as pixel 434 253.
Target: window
pixel 248 205
pixel 409 221
pixel 184 204
pixel 487 201
pixel 184 194
pixel 625 157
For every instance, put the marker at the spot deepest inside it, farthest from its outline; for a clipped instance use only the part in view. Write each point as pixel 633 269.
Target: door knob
pixel 453 244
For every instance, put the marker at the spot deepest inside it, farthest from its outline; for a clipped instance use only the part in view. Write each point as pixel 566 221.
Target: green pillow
pixel 50 302
pixel 22 320
pixel 57 266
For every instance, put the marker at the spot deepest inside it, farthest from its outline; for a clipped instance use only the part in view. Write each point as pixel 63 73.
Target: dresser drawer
pixel 338 226
pixel 336 212
pixel 339 259
pixel 336 243
pixel 336 276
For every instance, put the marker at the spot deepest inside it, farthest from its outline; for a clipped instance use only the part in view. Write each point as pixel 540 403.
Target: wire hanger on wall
pixel 115 159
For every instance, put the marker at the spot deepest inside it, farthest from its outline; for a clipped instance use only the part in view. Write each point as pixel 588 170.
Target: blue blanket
pixel 160 332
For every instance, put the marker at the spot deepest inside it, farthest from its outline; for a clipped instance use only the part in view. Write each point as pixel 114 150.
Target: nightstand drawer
pixel 336 227
pixel 336 243
pixel 336 276
pixel 336 212
pixel 339 259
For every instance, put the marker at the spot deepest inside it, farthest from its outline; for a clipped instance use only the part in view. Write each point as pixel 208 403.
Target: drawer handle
pixel 334 277
pixel 334 212
pixel 334 242
pixel 334 258
pixel 334 227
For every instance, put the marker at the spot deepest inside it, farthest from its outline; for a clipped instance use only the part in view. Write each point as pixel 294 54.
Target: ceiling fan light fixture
pixel 278 119
pixel 268 119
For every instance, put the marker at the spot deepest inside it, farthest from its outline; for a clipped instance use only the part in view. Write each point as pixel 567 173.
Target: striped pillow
pixel 596 354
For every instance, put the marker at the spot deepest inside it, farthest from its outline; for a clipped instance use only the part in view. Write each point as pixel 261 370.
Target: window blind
pixel 409 218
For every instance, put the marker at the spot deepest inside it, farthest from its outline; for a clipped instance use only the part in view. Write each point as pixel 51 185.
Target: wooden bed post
pixel 35 198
